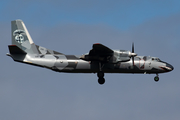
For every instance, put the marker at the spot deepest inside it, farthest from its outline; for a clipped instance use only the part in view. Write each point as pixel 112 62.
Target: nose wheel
pixel 156 78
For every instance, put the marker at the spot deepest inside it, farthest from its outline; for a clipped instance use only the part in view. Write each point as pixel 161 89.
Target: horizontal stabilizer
pixel 13 49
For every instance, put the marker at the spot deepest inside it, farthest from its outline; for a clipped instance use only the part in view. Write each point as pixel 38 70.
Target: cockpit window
pixel 156 59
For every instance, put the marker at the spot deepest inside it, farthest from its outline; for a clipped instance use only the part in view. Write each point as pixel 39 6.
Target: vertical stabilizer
pixel 22 38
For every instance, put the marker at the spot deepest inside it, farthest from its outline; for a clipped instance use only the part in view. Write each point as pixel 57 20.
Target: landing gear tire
pixel 100 74
pixel 156 78
pixel 101 81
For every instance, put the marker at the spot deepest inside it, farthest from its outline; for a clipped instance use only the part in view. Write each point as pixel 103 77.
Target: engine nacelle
pixel 121 56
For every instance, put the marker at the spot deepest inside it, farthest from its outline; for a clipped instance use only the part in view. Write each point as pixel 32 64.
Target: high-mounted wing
pixel 98 53
pixel 102 53
pixel 100 50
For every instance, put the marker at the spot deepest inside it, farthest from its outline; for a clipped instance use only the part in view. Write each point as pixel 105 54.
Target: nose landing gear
pixel 156 78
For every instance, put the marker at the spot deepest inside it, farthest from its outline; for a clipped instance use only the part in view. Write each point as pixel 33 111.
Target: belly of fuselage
pixel 93 67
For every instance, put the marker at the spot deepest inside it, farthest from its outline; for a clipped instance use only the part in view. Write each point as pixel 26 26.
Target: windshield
pixel 156 59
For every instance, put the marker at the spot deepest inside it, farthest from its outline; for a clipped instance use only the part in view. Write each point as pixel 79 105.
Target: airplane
pixel 100 58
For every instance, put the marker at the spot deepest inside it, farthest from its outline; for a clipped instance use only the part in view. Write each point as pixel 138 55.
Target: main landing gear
pixel 101 79
pixel 156 78
pixel 100 75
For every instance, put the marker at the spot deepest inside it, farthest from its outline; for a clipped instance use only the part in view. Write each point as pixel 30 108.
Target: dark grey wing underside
pixel 99 53
pixel 100 50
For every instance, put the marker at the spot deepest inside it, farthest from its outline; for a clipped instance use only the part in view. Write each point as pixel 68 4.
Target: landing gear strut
pixel 156 78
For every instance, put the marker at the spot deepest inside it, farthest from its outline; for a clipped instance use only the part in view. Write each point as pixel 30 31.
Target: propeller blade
pixel 133 52
pixel 133 47
pixel 133 62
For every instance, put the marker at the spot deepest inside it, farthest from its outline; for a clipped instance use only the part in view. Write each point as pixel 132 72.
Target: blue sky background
pixel 71 27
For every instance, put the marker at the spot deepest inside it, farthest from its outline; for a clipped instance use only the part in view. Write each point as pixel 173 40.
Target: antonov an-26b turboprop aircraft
pixel 100 58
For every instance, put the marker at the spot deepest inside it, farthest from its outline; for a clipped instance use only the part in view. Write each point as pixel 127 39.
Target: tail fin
pixel 22 38
pixel 22 42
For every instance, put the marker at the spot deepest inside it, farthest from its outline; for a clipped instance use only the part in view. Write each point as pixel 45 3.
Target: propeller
pixel 133 54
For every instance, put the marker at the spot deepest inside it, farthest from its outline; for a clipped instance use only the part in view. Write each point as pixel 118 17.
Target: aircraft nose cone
pixel 169 66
